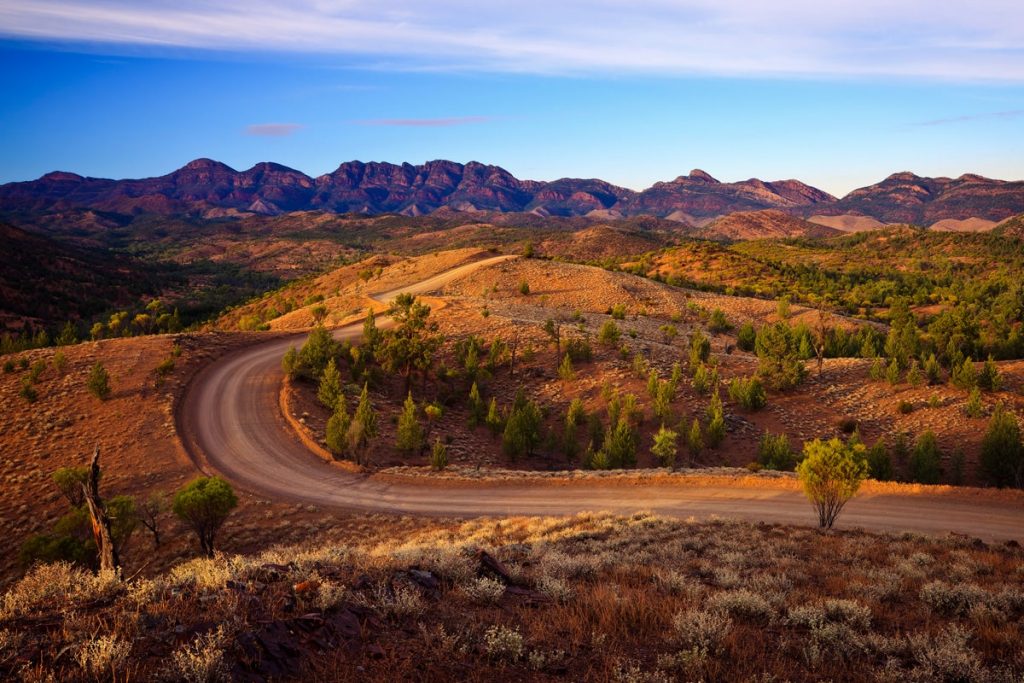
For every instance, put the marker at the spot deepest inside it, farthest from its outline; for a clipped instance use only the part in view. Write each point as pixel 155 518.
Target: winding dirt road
pixel 231 423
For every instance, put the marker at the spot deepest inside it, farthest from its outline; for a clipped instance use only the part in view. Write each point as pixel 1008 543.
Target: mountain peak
pixel 204 164
pixel 702 176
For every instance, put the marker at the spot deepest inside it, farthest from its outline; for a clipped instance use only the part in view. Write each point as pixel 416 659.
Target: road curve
pixel 231 424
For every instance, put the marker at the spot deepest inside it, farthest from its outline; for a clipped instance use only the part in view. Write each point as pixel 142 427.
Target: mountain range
pixel 210 189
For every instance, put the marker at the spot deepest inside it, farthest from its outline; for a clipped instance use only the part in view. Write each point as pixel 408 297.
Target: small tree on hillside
pixel 477 407
pixel 337 428
pixel 926 460
pixel 694 440
pixel 204 505
pixel 522 429
pixel 363 427
pixel 778 356
pixel 664 447
pixel 330 389
pixel 320 348
pixel 831 473
pixel 409 436
pixel 1002 453
pixel 151 514
pixel 715 431
pixel 69 481
pixel 98 382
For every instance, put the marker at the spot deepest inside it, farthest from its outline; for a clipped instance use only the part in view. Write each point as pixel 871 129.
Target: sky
pixel 836 94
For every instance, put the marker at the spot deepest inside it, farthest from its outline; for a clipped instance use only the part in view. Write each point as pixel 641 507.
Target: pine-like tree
pixel 330 389
pixel 98 382
pixel 409 436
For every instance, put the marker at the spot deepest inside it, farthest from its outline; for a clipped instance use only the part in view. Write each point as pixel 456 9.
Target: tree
pixel 289 361
pixel 619 443
pixel 989 378
pixel 68 335
pixel 69 481
pixel 204 505
pixel 902 342
pixel 664 447
pixel 778 356
pixel 974 408
pixel 411 344
pixel 522 429
pixel 330 389
pixel 565 370
pixel 477 408
pixel 106 548
pixel 574 415
pixel 151 513
pixel 926 460
pixel 1002 453
pixel 319 313
pixel 98 382
pixel 312 359
pixel 715 431
pixel 609 333
pixel 337 428
pixel 700 349
pixel 964 375
pixel 831 473
pixel 363 427
pixel 439 455
pixel 821 333
pixel 748 392
pixel 371 335
pixel 494 419
pixel 774 452
pixel 409 436
pixel 746 337
pixel 879 462
pixel 694 440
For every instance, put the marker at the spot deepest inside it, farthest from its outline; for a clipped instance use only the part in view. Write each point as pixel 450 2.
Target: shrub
pixel 477 408
pixel 742 604
pixel 484 590
pixel 879 463
pixel 974 407
pixel 104 656
pixel 522 429
pixel 330 388
pixel 502 642
pixel 778 356
pixel 774 452
pixel 989 378
pixel 964 375
pixel 337 428
pixel 748 392
pixel 202 660
pixel 69 481
pixel 952 599
pixel 618 311
pixel 892 372
pixel 98 382
pixel 609 333
pixel 28 392
pixel 717 322
pixel 1002 453
pixel 664 448
pixel 932 370
pixel 494 419
pixel 877 372
pixel 746 337
pixel 831 473
pixel 204 505
pixel 524 288
pixel 409 435
pixel 926 460
pixel 715 431
pixel 905 407
pixel 565 369
pixel 700 349
pixel 439 455
pixel 702 630
pixel 704 379
pixel 578 349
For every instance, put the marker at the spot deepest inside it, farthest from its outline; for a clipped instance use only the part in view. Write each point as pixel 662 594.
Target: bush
pixel 337 428
pixel 664 448
pixel 522 429
pixel 409 436
pixel 779 357
pixel 524 288
pixel 204 505
pixel 905 407
pixel 98 382
pixel 578 349
pixel 717 322
pixel 746 337
pixel 28 392
pixel 565 369
pixel 69 481
pixel 974 407
pixel 831 473
pixel 715 431
pixel 702 630
pixel 312 359
pixel 926 460
pixel 964 375
pixel 879 463
pixel 439 455
pixel 748 392
pixel 330 388
pixel 1002 453
pixel 700 349
pixel 705 378
pixel 774 452
pixel 618 311
pixel 694 440
pixel 609 333
pixel 989 378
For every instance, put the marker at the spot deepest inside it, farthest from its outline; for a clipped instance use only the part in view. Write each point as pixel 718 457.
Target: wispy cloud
pixel 891 38
pixel 1012 114
pixel 426 123
pixel 272 130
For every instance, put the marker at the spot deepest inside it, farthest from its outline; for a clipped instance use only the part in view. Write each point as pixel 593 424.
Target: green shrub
pixel 330 387
pixel 774 452
pixel 578 349
pixel 1002 452
pixel 98 382
pixel 565 369
pixel 905 407
pixel 831 473
pixel 204 505
pixel 609 333
pixel 748 392
pixel 618 311
pixel 964 375
pixel 974 407
pixel 664 447
pixel 439 455
pixel 700 349
pixel 926 460
pixel 718 323
pixel 524 288
pixel 778 354
pixel 409 435
pixel 879 462
pixel 27 391
pixel 989 378
pixel 746 337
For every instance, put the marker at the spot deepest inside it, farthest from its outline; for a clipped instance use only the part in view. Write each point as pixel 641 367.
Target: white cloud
pixel 898 38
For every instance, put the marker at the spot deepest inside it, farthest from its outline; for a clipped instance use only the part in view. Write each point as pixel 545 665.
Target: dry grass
pixel 595 597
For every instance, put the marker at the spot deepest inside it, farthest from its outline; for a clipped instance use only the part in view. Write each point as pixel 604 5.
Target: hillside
pixel 766 224
pixel 45 282
pixel 908 198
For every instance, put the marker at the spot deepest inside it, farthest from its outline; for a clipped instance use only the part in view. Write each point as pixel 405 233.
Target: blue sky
pixel 628 92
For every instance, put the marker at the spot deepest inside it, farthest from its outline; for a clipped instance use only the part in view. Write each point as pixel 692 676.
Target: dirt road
pixel 231 424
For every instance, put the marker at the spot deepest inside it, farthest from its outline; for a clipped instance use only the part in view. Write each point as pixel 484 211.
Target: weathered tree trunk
pixel 100 521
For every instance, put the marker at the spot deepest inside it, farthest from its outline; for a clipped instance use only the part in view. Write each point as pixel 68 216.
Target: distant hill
pixel 764 224
pixel 908 198
pixel 208 189
pixel 44 282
